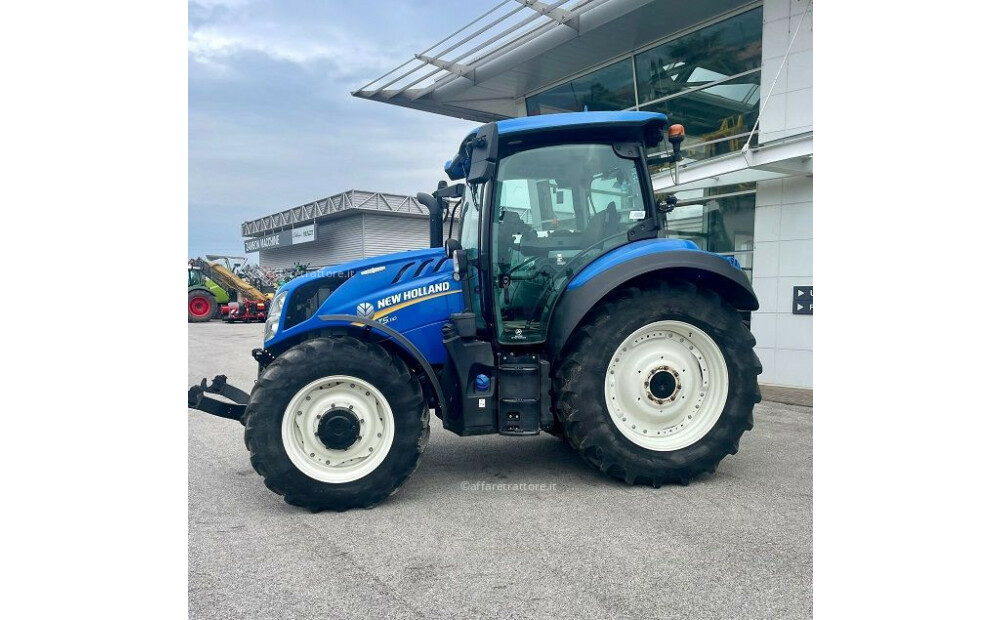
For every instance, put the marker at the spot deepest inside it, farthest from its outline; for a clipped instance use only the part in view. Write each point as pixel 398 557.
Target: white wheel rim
pixel 300 425
pixel 661 419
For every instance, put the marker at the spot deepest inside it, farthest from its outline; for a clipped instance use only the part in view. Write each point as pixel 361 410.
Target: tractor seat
pixel 604 224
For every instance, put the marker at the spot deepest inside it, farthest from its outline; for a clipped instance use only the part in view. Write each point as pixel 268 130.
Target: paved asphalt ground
pixel 734 545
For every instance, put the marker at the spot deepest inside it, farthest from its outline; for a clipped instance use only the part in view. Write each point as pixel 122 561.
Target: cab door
pixel 555 209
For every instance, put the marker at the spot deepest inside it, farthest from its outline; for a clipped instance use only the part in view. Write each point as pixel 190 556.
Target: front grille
pixel 306 300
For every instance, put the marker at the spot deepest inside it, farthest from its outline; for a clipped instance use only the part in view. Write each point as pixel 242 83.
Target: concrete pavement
pixel 453 544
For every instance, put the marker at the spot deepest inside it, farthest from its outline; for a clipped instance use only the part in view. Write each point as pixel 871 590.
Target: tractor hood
pixel 412 292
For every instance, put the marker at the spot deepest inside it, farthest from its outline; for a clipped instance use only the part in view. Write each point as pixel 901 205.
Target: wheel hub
pixel 666 385
pixel 663 385
pixel 339 429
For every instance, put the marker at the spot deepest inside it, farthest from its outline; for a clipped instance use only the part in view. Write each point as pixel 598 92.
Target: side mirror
pixel 460 264
pixel 667 204
pixel 451 246
pixel 450 191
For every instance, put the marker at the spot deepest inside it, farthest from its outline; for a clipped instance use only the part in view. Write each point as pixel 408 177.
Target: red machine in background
pixel 247 303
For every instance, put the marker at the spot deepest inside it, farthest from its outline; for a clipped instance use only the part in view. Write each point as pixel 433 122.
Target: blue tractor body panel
pixel 413 292
pixel 627 252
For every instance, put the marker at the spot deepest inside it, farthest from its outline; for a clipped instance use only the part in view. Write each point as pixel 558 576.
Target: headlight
pixel 277 305
pixel 274 316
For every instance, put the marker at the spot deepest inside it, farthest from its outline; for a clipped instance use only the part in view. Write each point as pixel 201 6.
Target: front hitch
pixel 198 398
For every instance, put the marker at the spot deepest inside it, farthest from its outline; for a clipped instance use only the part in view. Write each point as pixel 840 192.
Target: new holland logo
pixel 414 294
pixel 366 310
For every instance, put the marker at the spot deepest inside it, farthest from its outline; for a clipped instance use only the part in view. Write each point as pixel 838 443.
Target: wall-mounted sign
pixel 802 300
pixel 262 243
pixel 280 239
pixel 304 234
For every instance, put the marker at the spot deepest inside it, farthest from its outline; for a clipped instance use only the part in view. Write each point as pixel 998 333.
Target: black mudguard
pixel 367 325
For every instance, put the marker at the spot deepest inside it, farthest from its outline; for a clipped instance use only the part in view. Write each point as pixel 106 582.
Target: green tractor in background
pixel 205 297
pixel 228 287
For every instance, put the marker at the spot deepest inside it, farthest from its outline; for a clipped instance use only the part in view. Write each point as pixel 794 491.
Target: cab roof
pixel 641 122
pixel 571 120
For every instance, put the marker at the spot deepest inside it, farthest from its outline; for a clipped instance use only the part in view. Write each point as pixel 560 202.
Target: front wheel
pixel 336 423
pixel 658 386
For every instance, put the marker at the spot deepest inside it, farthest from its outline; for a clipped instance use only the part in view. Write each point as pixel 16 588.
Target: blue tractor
pixel 560 307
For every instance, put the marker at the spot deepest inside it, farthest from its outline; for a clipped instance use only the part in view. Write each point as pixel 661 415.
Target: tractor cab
pixel 542 199
pixel 545 196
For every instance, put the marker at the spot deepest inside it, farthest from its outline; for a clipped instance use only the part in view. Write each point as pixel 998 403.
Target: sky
pixel 272 123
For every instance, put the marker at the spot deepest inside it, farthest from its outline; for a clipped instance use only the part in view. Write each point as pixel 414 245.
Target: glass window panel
pixel 610 88
pixel 713 53
pixel 723 225
pixel 712 114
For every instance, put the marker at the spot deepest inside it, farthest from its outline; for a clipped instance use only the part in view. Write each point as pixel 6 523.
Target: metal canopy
pixel 326 208
pixel 484 70
pixel 791 156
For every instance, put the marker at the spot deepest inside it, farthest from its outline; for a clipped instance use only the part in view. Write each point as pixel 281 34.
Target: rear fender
pixel 603 277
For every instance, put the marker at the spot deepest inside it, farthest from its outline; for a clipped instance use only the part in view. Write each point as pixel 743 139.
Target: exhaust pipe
pixel 435 209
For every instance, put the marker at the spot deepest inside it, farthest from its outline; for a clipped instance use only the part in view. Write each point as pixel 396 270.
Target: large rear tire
pixel 336 423
pixel 658 386
pixel 201 307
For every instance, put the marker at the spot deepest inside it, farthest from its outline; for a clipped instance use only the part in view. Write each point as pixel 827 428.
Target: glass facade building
pixel 708 80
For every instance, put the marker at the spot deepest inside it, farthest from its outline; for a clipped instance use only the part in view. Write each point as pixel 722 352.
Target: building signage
pixel 304 234
pixel 280 239
pixel 802 300
pixel 262 243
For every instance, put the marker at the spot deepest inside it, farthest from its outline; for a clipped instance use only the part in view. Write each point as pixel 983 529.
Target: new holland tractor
pixel 560 307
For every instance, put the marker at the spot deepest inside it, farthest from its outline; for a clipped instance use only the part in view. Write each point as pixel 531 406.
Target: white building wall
pixel 783 230
pixel 788 111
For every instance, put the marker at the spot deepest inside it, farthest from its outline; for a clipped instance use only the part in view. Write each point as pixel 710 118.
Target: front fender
pixel 357 324
pixel 645 261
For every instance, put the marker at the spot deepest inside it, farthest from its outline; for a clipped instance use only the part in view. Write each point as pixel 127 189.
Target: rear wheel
pixel 201 307
pixel 658 386
pixel 336 423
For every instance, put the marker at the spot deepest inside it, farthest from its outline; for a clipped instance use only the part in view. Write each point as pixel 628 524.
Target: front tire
pixel 336 423
pixel 658 386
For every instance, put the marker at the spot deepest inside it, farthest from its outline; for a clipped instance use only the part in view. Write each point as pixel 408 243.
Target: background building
pixel 737 74
pixel 347 226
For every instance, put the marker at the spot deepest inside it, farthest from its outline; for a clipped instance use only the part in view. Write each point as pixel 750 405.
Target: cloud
pixel 271 121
